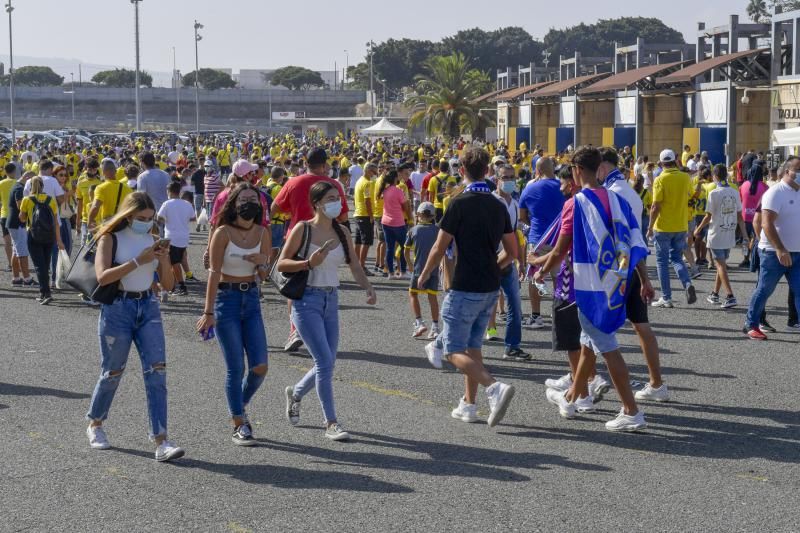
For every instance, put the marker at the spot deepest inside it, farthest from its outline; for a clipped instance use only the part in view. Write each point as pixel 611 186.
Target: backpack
pixel 43 222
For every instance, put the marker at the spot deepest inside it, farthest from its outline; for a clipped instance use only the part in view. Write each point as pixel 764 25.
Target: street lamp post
pixel 370 44
pixel 9 9
pixel 137 82
pixel 72 79
pixel 176 78
pixel 197 37
pixel 346 70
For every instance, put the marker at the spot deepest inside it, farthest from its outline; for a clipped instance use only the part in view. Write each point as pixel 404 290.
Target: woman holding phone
pixel 128 255
pixel 238 256
pixel 316 315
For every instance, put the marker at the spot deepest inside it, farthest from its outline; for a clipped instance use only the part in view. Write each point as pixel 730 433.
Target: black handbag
pixel 83 277
pixel 292 285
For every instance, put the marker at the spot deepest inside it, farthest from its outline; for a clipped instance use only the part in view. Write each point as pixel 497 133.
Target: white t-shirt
pixel 691 164
pixel 355 173
pixel 624 189
pixel 177 214
pixel 723 204
pixel 51 187
pixel 782 199
pixel 416 179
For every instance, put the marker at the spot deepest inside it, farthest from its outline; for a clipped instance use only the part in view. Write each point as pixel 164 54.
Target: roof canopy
pixel 555 89
pixel 487 96
pixel 626 79
pixel 742 66
pixel 383 127
pixel 512 94
pixel 787 137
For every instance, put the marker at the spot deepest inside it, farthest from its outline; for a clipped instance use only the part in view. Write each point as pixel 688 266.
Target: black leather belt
pixel 243 286
pixel 136 295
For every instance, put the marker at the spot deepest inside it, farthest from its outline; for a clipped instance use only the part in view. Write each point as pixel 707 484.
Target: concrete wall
pixel 544 117
pixel 662 122
pixel 753 129
pixel 594 116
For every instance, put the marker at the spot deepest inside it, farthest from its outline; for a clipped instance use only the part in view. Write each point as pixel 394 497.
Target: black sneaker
pixel 180 291
pixel 764 326
pixel 745 264
pixel 45 300
pixel 517 354
pixel 243 436
pixel 691 295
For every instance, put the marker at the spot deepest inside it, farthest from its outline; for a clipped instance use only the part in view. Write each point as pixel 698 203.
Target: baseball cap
pixel 208 163
pixel 426 207
pixel 499 159
pixel 243 167
pixel 667 156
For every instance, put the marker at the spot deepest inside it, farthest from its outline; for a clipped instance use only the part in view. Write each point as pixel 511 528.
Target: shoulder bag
pixel 83 277
pixel 292 285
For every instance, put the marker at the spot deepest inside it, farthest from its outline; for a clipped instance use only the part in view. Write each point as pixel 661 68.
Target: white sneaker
pixel 167 451
pixel 499 396
pixel 598 387
pixel 625 422
pixel 663 302
pixel 535 322
pixel 336 432
pixel 434 354
pixel 293 343
pixel 466 412
pixel 97 438
pixel 563 383
pixel 585 405
pixel 419 329
pixel 649 393
pixel 434 332
pixel 292 407
pixel 557 397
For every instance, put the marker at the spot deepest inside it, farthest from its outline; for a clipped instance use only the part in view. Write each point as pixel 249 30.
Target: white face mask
pixel 332 209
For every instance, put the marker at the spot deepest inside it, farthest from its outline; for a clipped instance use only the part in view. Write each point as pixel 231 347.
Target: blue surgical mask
pixel 509 187
pixel 332 209
pixel 141 227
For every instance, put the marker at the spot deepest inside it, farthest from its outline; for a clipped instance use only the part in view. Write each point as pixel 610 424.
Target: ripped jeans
pixel 124 322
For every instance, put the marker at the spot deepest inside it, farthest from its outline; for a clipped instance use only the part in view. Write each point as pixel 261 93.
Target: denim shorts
pixel 721 255
pixel 465 316
pixel 19 240
pixel 277 230
pixel 591 337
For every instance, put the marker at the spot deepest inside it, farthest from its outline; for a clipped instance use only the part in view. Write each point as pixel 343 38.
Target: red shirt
pixel 568 211
pixel 427 180
pixel 293 198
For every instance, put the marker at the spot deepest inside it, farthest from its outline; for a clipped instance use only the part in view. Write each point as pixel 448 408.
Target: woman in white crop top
pixel 316 315
pixel 134 316
pixel 238 257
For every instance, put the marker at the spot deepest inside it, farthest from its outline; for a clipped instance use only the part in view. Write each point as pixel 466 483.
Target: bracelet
pixel 135 262
pixel 208 314
pixel 308 264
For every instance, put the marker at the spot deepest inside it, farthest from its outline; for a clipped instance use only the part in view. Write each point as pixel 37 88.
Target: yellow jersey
pixel 363 192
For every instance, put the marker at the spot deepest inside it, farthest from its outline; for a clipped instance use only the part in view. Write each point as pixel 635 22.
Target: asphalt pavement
pixel 722 456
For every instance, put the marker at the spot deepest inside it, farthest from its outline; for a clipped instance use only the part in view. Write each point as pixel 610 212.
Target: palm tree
pixel 444 94
pixel 757 10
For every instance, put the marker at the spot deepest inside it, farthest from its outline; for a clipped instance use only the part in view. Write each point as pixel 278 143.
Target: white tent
pixel 787 137
pixel 383 127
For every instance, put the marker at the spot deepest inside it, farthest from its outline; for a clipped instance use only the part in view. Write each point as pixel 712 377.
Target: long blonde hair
pixel 37 185
pixel 132 204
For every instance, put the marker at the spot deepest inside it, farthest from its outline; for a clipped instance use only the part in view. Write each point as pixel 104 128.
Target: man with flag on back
pixel 606 244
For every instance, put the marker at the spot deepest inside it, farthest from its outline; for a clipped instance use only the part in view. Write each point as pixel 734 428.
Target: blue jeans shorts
pixel 465 316
pixel 721 255
pixel 591 337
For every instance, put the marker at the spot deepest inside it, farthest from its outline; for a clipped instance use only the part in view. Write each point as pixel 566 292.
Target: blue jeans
pixel 120 324
pixel 278 230
pixel 240 330
pixel 669 249
pixel 465 316
pixel 395 235
pixel 316 317
pixel 768 277
pixel 510 286
pixel 66 237
pixel 198 203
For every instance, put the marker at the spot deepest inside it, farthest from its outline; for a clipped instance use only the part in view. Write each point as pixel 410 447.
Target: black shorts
pixel 3 226
pixel 566 327
pixel 381 236
pixel 635 307
pixel 176 255
pixel 439 214
pixel 365 232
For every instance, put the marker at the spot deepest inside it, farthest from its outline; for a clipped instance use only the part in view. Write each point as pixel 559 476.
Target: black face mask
pixel 249 211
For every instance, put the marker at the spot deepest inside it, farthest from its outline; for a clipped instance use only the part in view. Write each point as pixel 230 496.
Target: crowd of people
pixel 477 222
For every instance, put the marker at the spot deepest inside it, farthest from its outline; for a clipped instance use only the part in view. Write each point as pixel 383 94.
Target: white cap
pixel 667 156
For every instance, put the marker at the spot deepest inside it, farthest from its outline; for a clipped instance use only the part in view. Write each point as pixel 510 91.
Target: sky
pixel 312 33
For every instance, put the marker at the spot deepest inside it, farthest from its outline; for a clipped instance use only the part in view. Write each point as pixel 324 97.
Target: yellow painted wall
pixel 608 136
pixel 752 122
pixel 691 136
pixel 544 117
pixel 551 141
pixel 512 139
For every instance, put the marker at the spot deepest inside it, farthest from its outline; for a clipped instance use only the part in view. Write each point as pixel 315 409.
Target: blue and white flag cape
pixel 605 253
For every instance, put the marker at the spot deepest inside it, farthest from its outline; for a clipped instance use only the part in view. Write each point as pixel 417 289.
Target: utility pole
pixel 345 76
pixel 72 78
pixel 9 9
pixel 197 38
pixel 371 44
pixel 138 100
pixel 176 78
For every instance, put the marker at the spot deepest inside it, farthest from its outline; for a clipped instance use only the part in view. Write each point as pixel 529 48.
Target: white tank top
pixel 233 263
pixel 129 246
pixel 326 274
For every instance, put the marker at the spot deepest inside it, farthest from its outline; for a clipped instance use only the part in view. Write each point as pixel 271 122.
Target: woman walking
pixel 238 254
pixel 395 212
pixel 128 255
pixel 316 315
pixel 66 212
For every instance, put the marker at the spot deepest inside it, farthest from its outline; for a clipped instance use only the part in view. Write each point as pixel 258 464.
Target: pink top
pixel 393 201
pixel 568 211
pixel 750 202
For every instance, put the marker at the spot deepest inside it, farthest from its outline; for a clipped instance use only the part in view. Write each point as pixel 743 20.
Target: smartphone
pixel 162 243
pixel 208 334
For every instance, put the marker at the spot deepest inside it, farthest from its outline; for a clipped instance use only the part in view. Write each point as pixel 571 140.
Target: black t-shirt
pixel 478 222
pixel 17 193
pixel 198 180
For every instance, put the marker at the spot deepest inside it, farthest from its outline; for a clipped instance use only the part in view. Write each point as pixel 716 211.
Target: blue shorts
pixel 19 240
pixel 598 341
pixel 278 231
pixel 465 316
pixel 721 255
